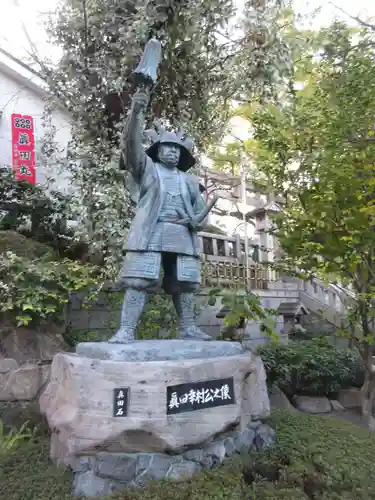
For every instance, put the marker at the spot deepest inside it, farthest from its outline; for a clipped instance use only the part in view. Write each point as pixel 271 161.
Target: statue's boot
pixel 184 304
pixel 132 307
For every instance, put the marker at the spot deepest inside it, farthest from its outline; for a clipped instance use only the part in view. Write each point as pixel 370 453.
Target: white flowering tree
pixel 210 56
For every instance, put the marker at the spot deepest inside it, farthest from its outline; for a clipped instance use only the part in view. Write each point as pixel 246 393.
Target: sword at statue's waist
pixel 186 220
pixel 171 220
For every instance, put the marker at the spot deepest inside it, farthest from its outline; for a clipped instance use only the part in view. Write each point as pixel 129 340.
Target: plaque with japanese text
pixel 200 395
pixel 23 147
pixel 120 402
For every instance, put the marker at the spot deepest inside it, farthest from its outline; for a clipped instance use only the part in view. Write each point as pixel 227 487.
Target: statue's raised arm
pixel 133 155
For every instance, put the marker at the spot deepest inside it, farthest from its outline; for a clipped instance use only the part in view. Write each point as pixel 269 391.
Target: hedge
pixel 315 367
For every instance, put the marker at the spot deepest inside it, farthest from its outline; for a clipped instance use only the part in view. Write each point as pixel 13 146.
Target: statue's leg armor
pixel 184 303
pixel 139 276
pixel 132 307
pixel 183 296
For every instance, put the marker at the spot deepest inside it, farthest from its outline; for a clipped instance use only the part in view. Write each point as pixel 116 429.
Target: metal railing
pixel 235 275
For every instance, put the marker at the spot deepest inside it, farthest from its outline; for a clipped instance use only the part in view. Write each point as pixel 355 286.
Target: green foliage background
pixel 311 367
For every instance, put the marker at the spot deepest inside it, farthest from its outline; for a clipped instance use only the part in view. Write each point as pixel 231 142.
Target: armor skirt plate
pixel 147 265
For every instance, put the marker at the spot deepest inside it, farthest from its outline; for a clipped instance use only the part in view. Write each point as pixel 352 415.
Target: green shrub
pixel 11 241
pixel 10 440
pixel 34 211
pixel 314 367
pixel 241 307
pixel 159 319
pixel 307 334
pixel 27 474
pixel 74 336
pixel 315 457
pixel 318 458
pixel 37 291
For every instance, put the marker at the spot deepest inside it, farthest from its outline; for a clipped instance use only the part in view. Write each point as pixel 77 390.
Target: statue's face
pixel 169 154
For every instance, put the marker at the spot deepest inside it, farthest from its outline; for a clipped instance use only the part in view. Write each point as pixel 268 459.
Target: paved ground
pixel 353 415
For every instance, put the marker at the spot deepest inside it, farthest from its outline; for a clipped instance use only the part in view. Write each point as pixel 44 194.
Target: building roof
pixel 20 63
pixel 294 308
pixel 265 208
pixel 22 73
pixel 224 178
pixel 25 75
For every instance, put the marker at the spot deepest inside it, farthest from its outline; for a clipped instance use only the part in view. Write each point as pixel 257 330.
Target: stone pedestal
pixel 121 415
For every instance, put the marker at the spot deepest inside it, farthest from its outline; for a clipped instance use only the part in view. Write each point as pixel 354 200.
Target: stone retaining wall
pixel 105 473
pixel 22 383
pixel 102 318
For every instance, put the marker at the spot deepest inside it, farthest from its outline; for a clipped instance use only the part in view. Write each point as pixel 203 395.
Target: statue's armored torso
pixel 169 236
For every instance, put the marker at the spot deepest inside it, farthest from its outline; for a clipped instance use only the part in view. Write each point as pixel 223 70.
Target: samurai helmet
pixel 158 135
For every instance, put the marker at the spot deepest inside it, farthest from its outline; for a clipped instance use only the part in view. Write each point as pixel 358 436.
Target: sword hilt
pixel 208 209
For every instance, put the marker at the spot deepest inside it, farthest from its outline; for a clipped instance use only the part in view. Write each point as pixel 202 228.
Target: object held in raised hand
pixel 145 74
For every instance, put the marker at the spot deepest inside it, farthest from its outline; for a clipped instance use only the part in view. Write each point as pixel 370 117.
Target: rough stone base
pixel 79 399
pixel 106 473
pixel 158 350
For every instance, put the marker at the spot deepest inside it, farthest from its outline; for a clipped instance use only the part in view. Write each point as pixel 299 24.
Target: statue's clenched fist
pixel 140 100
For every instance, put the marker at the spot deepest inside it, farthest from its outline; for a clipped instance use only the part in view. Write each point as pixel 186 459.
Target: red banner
pixel 23 147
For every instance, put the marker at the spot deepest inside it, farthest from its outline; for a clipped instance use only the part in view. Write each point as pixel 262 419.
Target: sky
pixel 30 15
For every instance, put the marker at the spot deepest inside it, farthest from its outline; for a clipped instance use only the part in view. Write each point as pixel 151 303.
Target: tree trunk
pixel 368 398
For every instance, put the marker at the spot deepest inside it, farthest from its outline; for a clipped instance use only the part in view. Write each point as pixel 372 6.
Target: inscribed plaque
pixel 120 401
pixel 200 395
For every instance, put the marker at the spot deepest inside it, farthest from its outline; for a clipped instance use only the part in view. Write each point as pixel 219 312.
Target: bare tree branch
pixel 354 18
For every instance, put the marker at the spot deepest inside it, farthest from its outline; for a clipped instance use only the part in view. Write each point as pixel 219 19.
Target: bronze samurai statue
pixel 163 234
